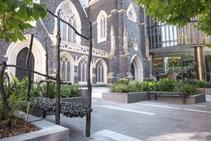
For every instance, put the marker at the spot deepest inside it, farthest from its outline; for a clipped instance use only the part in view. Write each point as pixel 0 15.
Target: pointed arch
pixel 82 69
pixel 101 26
pixel 101 71
pixel 136 68
pixel 67 67
pixel 37 50
pixel 131 12
pixel 70 14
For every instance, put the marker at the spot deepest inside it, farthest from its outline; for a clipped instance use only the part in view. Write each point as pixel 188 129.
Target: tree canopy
pixel 15 17
pixel 180 12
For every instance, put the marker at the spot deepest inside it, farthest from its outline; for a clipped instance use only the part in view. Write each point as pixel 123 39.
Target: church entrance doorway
pixel 21 60
pixel 137 68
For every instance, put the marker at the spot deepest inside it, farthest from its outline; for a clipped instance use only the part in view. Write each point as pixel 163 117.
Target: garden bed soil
pixel 17 127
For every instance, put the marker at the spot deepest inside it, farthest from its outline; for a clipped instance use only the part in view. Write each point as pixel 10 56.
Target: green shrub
pixel 119 88
pixel 36 90
pixel 133 86
pixel 189 89
pixel 51 89
pixel 125 86
pixel 139 86
pixel 123 81
pixel 74 90
pixel 167 85
pixel 66 90
pixel 150 85
pixel 69 91
pixel 203 84
pixel 16 96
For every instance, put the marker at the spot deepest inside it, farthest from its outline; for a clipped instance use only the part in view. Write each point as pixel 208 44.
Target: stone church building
pixel 119 48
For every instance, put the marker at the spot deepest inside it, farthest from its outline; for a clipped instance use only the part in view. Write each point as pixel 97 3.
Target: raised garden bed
pixel 177 98
pixel 125 97
pixel 169 97
pixel 206 91
pixel 18 126
pixel 47 131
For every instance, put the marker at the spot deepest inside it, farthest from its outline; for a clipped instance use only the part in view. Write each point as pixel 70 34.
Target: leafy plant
pixel 167 85
pixel 16 97
pixel 36 90
pixel 66 90
pixel 74 90
pixel 120 88
pixel 189 89
pixel 123 81
pixel 20 12
pixel 203 84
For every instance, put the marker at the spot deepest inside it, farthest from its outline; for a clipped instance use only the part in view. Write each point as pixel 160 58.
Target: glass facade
pixel 165 35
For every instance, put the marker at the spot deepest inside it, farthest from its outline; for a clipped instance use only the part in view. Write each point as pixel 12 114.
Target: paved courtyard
pixel 142 121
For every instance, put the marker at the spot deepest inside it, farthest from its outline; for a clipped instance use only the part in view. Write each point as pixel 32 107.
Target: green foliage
pixel 173 62
pixel 167 85
pixel 202 84
pixel 69 90
pixel 74 90
pixel 51 89
pixel 189 89
pixel 18 87
pixel 172 12
pixel 150 86
pixel 119 88
pixel 123 81
pixel 66 90
pixel 36 90
pixel 17 96
pixel 127 86
pixel 15 17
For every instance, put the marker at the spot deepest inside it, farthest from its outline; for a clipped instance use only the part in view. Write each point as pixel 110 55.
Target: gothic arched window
pixel 71 33
pixel 100 72
pixel 82 70
pixel 67 33
pixel 65 69
pixel 102 26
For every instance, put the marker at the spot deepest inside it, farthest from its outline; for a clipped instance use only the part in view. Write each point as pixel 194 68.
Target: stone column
pixel 113 62
pixel 200 63
pixel 94 77
pixel 151 65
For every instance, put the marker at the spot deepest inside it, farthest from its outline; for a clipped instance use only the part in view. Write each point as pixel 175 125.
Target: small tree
pixel 180 12
pixel 15 18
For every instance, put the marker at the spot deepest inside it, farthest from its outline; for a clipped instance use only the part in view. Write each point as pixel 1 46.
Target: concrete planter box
pixel 48 132
pixel 177 98
pixel 206 91
pixel 125 97
pixel 168 97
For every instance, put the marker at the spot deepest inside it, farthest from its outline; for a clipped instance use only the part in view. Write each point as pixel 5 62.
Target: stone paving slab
pixel 168 123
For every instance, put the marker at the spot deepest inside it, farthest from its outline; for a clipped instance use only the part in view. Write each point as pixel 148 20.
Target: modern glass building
pixel 172 48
